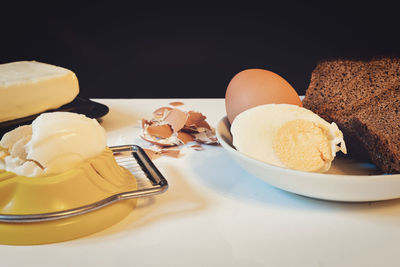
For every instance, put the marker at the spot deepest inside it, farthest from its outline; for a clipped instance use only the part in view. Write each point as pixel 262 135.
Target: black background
pixel 132 51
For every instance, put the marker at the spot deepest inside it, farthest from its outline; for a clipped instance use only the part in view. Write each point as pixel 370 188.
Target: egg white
pixel 253 130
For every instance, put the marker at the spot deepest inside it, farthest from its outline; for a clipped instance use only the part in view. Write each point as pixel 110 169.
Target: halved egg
pixel 287 136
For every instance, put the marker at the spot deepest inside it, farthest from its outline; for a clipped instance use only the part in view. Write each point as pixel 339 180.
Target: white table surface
pixel 215 214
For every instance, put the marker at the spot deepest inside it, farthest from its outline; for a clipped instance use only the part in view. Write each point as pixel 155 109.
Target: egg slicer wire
pixel 149 180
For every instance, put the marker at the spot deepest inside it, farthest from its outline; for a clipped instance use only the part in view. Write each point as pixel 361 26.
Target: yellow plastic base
pixel 64 229
pixel 94 180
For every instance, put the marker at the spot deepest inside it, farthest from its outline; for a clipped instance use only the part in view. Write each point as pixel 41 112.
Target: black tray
pixel 80 105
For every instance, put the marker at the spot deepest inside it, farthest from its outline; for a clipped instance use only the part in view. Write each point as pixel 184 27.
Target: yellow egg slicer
pixel 79 202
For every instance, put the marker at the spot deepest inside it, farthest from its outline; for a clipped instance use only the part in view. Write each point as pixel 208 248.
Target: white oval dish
pixel 347 180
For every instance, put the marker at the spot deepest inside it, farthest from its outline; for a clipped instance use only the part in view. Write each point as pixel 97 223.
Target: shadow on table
pixel 229 179
pixel 180 200
pixel 118 119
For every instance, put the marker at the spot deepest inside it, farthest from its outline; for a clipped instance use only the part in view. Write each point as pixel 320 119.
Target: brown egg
pixel 254 87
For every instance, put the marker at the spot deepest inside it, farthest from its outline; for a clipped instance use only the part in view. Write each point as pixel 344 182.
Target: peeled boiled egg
pixel 287 136
pixel 254 87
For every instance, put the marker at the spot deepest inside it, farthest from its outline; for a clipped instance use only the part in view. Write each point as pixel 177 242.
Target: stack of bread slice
pixel 363 99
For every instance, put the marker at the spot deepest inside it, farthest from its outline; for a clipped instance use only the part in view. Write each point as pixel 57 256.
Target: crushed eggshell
pixel 172 127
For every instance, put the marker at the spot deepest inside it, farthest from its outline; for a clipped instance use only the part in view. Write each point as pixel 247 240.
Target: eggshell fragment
pixel 151 153
pixel 144 123
pixel 197 147
pixel 203 124
pixel 174 153
pixel 176 104
pixel 194 118
pixel 185 137
pixel 176 118
pixel 190 130
pixel 206 138
pixel 161 131
pixel 158 143
pixel 161 112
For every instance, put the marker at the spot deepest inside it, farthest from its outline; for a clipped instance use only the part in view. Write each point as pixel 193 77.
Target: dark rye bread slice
pixel 378 129
pixel 341 89
pixel 335 86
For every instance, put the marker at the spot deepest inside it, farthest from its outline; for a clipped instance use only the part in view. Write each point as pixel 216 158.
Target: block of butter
pixel 30 87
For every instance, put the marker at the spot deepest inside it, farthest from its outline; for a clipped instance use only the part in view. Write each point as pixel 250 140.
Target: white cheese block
pixel 30 87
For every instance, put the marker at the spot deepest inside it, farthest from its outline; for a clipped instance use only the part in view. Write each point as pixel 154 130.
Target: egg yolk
pixel 303 145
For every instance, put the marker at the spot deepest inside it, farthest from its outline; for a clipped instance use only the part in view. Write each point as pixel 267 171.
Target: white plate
pixel 347 180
